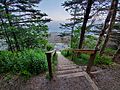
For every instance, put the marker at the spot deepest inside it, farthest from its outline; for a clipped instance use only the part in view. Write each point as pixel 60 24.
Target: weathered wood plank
pixel 85 51
pixel 52 51
pixel 81 51
pixel 49 55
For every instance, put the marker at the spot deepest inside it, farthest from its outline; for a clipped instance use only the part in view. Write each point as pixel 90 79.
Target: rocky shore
pixel 60 41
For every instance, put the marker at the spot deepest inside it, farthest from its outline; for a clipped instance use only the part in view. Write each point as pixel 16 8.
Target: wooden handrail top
pixel 79 50
pixel 52 51
pixel 82 51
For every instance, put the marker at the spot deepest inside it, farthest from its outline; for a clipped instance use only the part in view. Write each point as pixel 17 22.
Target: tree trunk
pixel 6 35
pixel 116 54
pixel 91 63
pixel 13 33
pixel 106 23
pixel 112 21
pixel 83 28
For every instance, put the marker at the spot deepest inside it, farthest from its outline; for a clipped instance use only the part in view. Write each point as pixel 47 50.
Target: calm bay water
pixel 54 26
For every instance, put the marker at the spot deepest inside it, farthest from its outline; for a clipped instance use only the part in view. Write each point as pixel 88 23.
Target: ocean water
pixel 54 26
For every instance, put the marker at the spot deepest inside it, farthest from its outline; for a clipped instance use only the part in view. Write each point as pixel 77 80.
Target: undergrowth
pixel 25 63
pixel 83 58
pixel 54 62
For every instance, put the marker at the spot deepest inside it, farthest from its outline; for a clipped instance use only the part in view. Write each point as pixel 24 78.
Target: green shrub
pixel 66 53
pixel 25 74
pixel 54 59
pixel 8 77
pixel 109 51
pixel 84 56
pixel 28 62
pixel 82 59
pixel 105 60
pixel 54 62
pixel 49 47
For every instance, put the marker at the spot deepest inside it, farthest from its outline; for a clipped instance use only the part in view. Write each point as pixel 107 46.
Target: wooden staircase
pixel 69 73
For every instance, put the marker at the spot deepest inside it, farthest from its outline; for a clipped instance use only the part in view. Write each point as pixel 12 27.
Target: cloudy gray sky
pixel 56 12
pixel 54 9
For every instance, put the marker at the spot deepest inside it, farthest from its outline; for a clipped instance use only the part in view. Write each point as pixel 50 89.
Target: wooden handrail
pixel 49 55
pixel 52 51
pixel 85 51
pixel 82 51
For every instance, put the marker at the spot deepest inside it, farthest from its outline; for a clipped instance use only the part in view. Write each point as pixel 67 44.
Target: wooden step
pixel 69 71
pixel 67 68
pixel 80 75
pixel 71 75
pixel 67 65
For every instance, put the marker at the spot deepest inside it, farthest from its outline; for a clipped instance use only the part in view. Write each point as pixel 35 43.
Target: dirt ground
pixel 108 78
pixel 105 77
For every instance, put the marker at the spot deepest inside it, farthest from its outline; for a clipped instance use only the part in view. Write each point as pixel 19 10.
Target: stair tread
pixel 69 71
pixel 67 68
pixel 67 65
pixel 71 75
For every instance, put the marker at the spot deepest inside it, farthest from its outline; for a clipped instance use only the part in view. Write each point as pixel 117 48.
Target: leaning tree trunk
pixel 83 28
pixel 106 23
pixel 116 53
pixel 91 63
pixel 114 11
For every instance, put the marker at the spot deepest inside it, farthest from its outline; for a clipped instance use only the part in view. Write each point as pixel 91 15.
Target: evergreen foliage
pixel 22 26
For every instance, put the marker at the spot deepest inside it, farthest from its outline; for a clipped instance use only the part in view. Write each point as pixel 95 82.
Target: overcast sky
pixel 54 9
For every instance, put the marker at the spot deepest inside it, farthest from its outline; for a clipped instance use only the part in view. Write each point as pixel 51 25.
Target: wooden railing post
pixel 91 61
pixel 49 56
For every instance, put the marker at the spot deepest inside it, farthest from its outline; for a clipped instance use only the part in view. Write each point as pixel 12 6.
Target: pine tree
pixel 21 24
pixel 112 21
